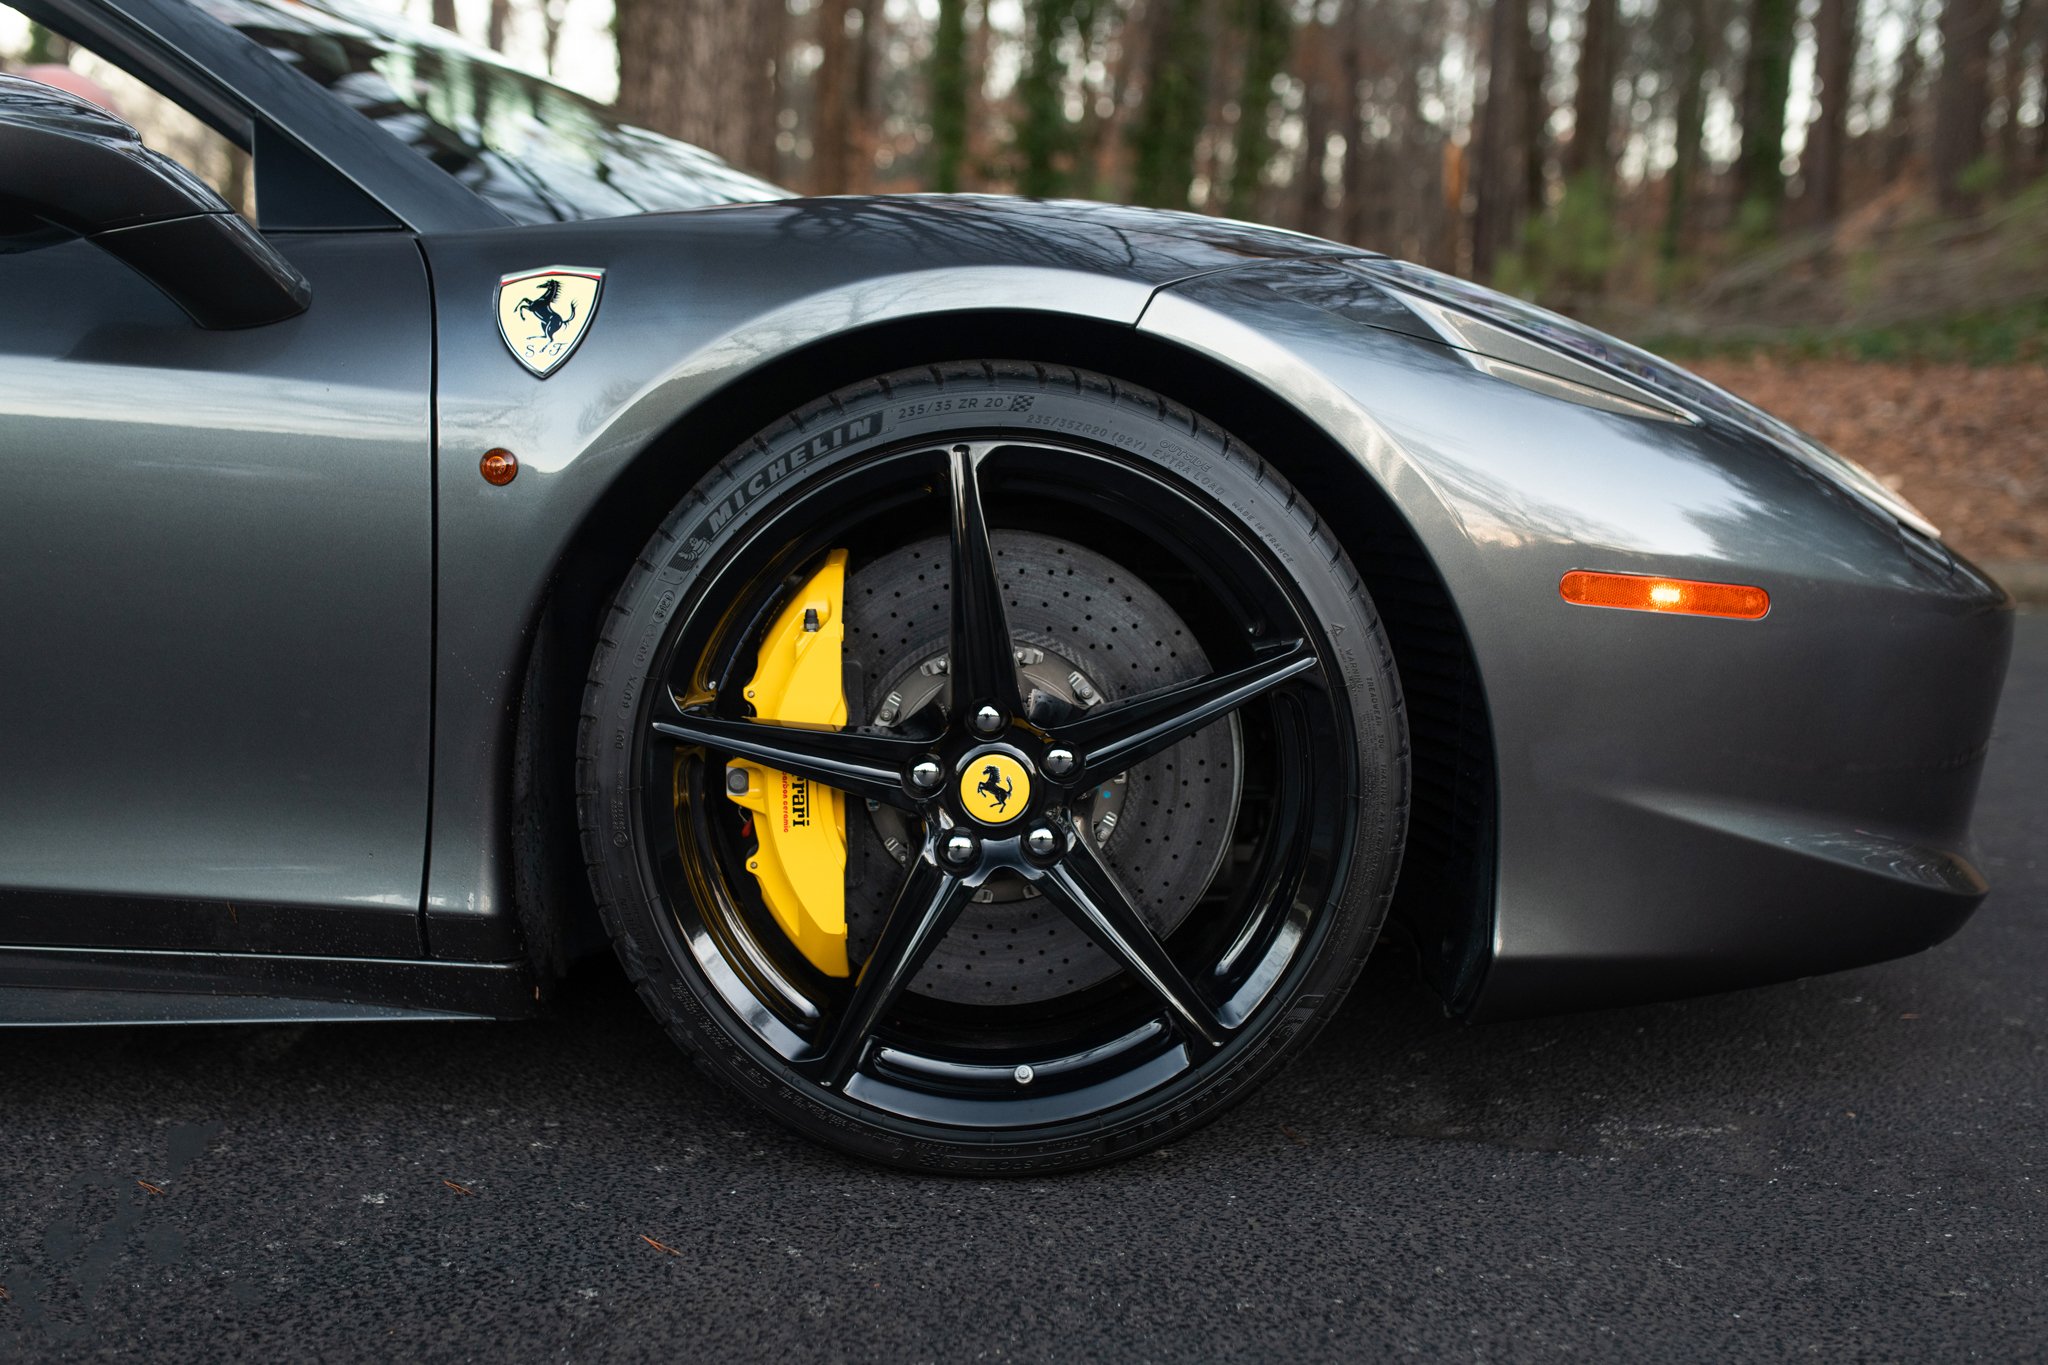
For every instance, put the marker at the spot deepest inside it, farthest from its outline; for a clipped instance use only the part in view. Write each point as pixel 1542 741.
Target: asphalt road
pixel 1850 1166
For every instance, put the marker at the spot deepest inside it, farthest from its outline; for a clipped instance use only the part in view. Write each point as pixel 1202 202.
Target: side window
pixel 28 49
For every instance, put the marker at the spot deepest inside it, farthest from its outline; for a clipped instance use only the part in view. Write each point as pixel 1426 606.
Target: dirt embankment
pixel 1967 446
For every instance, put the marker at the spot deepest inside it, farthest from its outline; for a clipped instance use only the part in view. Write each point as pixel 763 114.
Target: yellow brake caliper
pixel 800 826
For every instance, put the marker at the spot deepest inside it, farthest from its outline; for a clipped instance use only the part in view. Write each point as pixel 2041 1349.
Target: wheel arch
pixel 1444 901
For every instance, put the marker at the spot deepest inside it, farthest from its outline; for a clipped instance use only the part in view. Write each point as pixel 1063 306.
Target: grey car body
pixel 285 684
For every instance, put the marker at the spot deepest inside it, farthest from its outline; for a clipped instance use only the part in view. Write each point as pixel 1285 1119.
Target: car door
pixel 216 606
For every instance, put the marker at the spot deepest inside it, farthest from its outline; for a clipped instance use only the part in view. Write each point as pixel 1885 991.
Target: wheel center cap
pixel 994 788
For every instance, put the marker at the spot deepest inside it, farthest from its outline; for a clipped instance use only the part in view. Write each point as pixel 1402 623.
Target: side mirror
pixel 69 163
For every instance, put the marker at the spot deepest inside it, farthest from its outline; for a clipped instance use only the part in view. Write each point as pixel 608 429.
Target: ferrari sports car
pixel 992 669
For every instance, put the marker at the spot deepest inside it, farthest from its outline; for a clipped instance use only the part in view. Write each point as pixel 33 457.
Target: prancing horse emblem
pixel 543 314
pixel 541 308
pixel 990 784
pixel 993 787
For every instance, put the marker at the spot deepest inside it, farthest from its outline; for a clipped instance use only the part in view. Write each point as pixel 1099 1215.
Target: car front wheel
pixel 993 767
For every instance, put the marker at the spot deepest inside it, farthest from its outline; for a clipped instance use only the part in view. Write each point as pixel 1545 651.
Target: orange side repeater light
pixel 1647 592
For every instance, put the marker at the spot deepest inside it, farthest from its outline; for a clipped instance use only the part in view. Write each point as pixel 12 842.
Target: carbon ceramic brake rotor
pixel 1083 625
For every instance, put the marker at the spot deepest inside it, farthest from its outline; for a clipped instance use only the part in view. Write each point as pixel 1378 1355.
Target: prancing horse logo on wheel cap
pixel 543 314
pixel 994 788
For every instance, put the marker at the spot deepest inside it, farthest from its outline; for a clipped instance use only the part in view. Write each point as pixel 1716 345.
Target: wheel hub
pixel 1084 631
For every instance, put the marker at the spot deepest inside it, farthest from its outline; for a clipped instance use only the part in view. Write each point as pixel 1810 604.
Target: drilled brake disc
pixel 1084 627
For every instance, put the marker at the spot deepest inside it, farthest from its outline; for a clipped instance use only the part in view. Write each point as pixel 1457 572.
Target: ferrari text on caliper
pixel 800 826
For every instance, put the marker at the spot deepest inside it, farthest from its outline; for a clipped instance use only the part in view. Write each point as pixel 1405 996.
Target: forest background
pixel 1836 207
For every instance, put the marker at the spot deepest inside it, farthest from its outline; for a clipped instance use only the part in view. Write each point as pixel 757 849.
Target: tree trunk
pixel 1593 102
pixel 949 95
pixel 832 102
pixel 1314 68
pixel 2041 84
pixel 862 117
pixel 1041 97
pixel 1536 109
pixel 1355 187
pixel 1498 187
pixel 1687 126
pixel 1222 63
pixel 678 73
pixel 500 19
pixel 1834 31
pixel 1268 28
pixel 444 15
pixel 2012 89
pixel 980 133
pixel 1121 40
pixel 1172 106
pixel 1962 96
pixel 769 63
pixel 1766 85
pixel 1900 123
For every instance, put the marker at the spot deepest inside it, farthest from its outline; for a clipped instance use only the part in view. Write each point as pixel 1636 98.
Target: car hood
pixel 1152 246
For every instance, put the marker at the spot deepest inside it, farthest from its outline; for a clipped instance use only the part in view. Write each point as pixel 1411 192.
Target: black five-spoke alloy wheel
pixel 1122 760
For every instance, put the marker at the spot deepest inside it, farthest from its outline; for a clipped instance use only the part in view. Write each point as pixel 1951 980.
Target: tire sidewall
pixel 985 402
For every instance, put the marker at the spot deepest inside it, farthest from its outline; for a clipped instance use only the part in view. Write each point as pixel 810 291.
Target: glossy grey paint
pixel 215 589
pixel 693 302
pixel 1722 801
pixel 1685 803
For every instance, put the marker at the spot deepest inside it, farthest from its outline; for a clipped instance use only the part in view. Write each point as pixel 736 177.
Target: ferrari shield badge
pixel 543 314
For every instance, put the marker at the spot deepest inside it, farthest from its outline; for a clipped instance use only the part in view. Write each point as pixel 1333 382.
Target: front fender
pixel 691 303
pixel 1685 803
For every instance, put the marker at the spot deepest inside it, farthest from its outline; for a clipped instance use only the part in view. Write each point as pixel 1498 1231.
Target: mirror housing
pixel 68 163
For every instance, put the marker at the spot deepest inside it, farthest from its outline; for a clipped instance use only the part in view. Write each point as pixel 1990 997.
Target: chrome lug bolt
pixel 1059 762
pixel 988 720
pixel 926 775
pixel 1041 842
pixel 959 848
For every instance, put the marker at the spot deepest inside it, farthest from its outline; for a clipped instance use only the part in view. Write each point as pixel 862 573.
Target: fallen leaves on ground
pixel 153 1189
pixel 460 1189
pixel 662 1247
pixel 1966 445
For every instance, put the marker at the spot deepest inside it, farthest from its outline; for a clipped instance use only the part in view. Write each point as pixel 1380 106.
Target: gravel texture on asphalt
pixel 1848 1166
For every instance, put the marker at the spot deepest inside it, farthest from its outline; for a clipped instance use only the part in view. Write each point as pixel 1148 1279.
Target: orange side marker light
pixel 1647 592
pixel 499 467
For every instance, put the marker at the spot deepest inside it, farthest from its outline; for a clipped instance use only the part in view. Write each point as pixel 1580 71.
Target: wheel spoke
pixel 864 765
pixel 1087 892
pixel 984 666
pixel 1113 738
pixel 925 908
